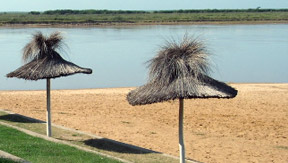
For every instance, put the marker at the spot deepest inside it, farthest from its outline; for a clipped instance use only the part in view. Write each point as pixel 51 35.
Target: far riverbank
pixel 75 18
pixel 119 24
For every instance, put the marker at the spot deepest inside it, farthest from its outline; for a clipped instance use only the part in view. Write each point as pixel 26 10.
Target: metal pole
pixel 49 132
pixel 181 139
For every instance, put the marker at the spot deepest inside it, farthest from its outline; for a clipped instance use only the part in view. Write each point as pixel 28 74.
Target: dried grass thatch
pixel 44 61
pixel 180 71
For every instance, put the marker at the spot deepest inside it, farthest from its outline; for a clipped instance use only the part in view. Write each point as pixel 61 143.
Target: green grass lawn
pixel 38 150
pixel 4 160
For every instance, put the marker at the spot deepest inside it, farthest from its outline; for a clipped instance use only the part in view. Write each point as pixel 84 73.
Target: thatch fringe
pixel 47 67
pixel 153 92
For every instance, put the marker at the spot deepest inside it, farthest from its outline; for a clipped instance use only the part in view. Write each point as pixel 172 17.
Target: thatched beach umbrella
pixel 44 62
pixel 180 71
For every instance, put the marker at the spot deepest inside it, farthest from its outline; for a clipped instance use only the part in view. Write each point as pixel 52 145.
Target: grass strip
pixel 4 160
pixel 38 150
pixel 88 141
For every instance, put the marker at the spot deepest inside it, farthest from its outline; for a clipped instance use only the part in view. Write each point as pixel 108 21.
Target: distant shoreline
pixel 96 18
pixel 119 24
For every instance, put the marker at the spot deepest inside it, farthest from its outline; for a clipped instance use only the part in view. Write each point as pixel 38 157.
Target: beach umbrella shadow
pixel 180 71
pixel 44 62
pixel 115 146
pixel 19 118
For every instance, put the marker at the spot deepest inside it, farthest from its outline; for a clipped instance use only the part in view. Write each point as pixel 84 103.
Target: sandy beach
pixel 253 127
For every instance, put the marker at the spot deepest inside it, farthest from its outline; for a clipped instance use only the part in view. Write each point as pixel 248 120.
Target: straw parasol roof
pixel 50 66
pixel 45 62
pixel 207 87
pixel 180 71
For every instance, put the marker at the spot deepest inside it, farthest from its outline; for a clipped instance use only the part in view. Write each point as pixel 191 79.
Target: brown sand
pixel 253 127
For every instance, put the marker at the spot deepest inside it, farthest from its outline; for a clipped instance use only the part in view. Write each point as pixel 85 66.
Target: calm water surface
pixel 117 55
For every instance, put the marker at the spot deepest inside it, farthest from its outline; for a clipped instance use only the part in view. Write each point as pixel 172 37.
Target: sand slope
pixel 253 127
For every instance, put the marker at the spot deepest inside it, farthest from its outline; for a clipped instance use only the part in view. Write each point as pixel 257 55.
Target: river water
pixel 117 55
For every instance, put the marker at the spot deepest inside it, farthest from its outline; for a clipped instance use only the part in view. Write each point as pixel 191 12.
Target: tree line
pixel 91 11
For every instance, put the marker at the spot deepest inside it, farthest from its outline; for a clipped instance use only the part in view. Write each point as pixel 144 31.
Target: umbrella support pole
pixel 181 139
pixel 49 131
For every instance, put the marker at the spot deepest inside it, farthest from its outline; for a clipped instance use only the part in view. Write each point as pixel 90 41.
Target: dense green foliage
pixel 53 12
pixel 38 150
pixel 120 16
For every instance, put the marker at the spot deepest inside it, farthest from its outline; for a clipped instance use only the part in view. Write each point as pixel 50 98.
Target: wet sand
pixel 253 127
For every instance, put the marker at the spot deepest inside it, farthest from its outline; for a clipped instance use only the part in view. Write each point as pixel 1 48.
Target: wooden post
pixel 49 132
pixel 181 139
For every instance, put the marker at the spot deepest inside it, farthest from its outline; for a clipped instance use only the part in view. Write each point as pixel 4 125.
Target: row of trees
pixel 221 10
pixel 67 11
pixel 63 12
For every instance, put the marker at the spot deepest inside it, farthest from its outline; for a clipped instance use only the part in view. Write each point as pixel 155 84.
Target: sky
pixel 43 5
